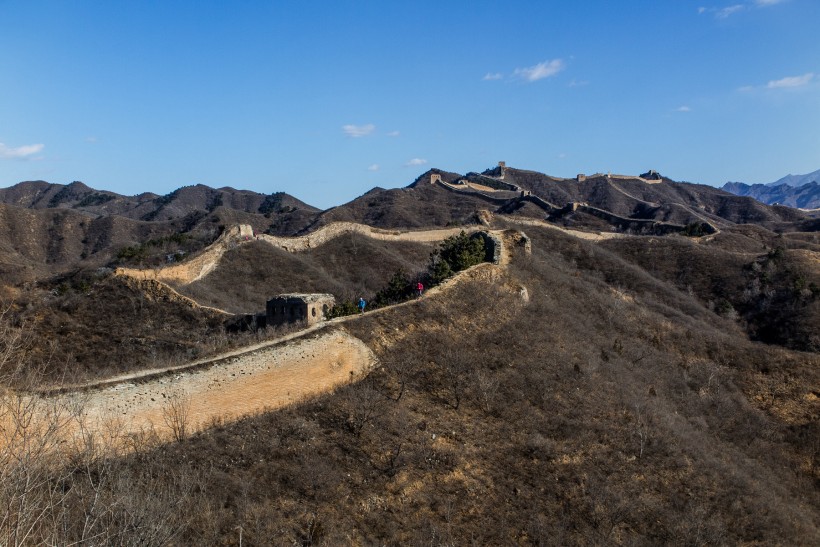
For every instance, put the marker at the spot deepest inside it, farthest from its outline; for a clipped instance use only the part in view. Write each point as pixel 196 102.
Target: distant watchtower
pixel 502 165
pixel 434 178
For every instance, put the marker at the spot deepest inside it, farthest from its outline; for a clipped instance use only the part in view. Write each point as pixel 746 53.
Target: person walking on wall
pixel 419 289
pixel 362 304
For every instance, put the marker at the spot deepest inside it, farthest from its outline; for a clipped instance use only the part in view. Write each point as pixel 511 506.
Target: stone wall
pixel 292 308
pixel 476 193
pixel 609 176
pixel 492 244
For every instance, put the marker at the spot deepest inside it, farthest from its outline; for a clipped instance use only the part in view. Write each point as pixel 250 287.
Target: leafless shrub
pixel 486 385
pixel 361 404
pixel 640 429
pixel 176 413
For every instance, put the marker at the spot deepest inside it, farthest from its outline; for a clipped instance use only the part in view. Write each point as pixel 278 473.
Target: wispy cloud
pixel 683 108
pixel 493 76
pixel 357 131
pixel 540 71
pixel 393 134
pixel 415 162
pixel 374 167
pixel 90 139
pixel 578 83
pixel 728 11
pixel 20 152
pixel 791 81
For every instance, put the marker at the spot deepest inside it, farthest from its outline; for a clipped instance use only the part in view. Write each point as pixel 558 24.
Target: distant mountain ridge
pixel 797 180
pixel 51 228
pixel 48 228
pixel 799 191
pixel 146 206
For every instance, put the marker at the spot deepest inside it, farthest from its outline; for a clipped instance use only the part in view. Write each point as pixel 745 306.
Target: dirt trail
pixel 627 194
pixel 266 378
pixel 590 236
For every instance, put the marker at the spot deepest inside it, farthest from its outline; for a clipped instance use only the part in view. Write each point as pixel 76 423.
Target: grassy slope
pixel 612 408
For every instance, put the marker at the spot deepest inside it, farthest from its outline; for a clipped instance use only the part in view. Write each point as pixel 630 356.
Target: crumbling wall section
pixel 493 246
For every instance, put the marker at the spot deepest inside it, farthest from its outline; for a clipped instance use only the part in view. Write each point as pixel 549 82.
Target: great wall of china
pixel 261 376
pixel 314 360
pixel 512 195
pixel 199 266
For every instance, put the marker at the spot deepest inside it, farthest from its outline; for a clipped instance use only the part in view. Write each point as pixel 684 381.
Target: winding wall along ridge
pixel 201 265
pixel 262 376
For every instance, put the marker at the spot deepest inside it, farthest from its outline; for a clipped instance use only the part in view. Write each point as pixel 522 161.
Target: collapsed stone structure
pixel 290 308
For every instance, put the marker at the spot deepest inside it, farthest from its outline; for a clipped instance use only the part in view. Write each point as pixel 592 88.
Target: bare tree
pixel 176 414
pixel 487 387
pixel 362 403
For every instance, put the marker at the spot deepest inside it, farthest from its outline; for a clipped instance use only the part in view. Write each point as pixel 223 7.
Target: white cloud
pixel 374 167
pixel 358 130
pixel 792 81
pixel 493 76
pixel 683 108
pixel 393 134
pixel 578 83
pixel 540 71
pixel 729 10
pixel 20 152
pixel 415 162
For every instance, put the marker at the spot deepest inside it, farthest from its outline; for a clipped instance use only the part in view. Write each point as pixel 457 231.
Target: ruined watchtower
pixel 290 308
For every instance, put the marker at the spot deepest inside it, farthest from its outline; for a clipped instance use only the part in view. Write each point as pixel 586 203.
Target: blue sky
pixel 325 100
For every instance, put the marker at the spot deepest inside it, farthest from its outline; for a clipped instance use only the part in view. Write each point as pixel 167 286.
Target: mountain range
pixel 55 227
pixel 636 362
pixel 800 191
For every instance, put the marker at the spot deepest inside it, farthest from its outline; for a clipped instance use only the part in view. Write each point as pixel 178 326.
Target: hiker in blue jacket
pixel 362 304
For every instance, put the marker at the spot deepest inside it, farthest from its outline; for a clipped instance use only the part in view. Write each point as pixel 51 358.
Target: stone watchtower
pixel 434 178
pixel 502 166
pixel 290 308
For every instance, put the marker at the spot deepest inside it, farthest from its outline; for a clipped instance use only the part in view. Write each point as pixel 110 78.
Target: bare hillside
pixel 607 407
